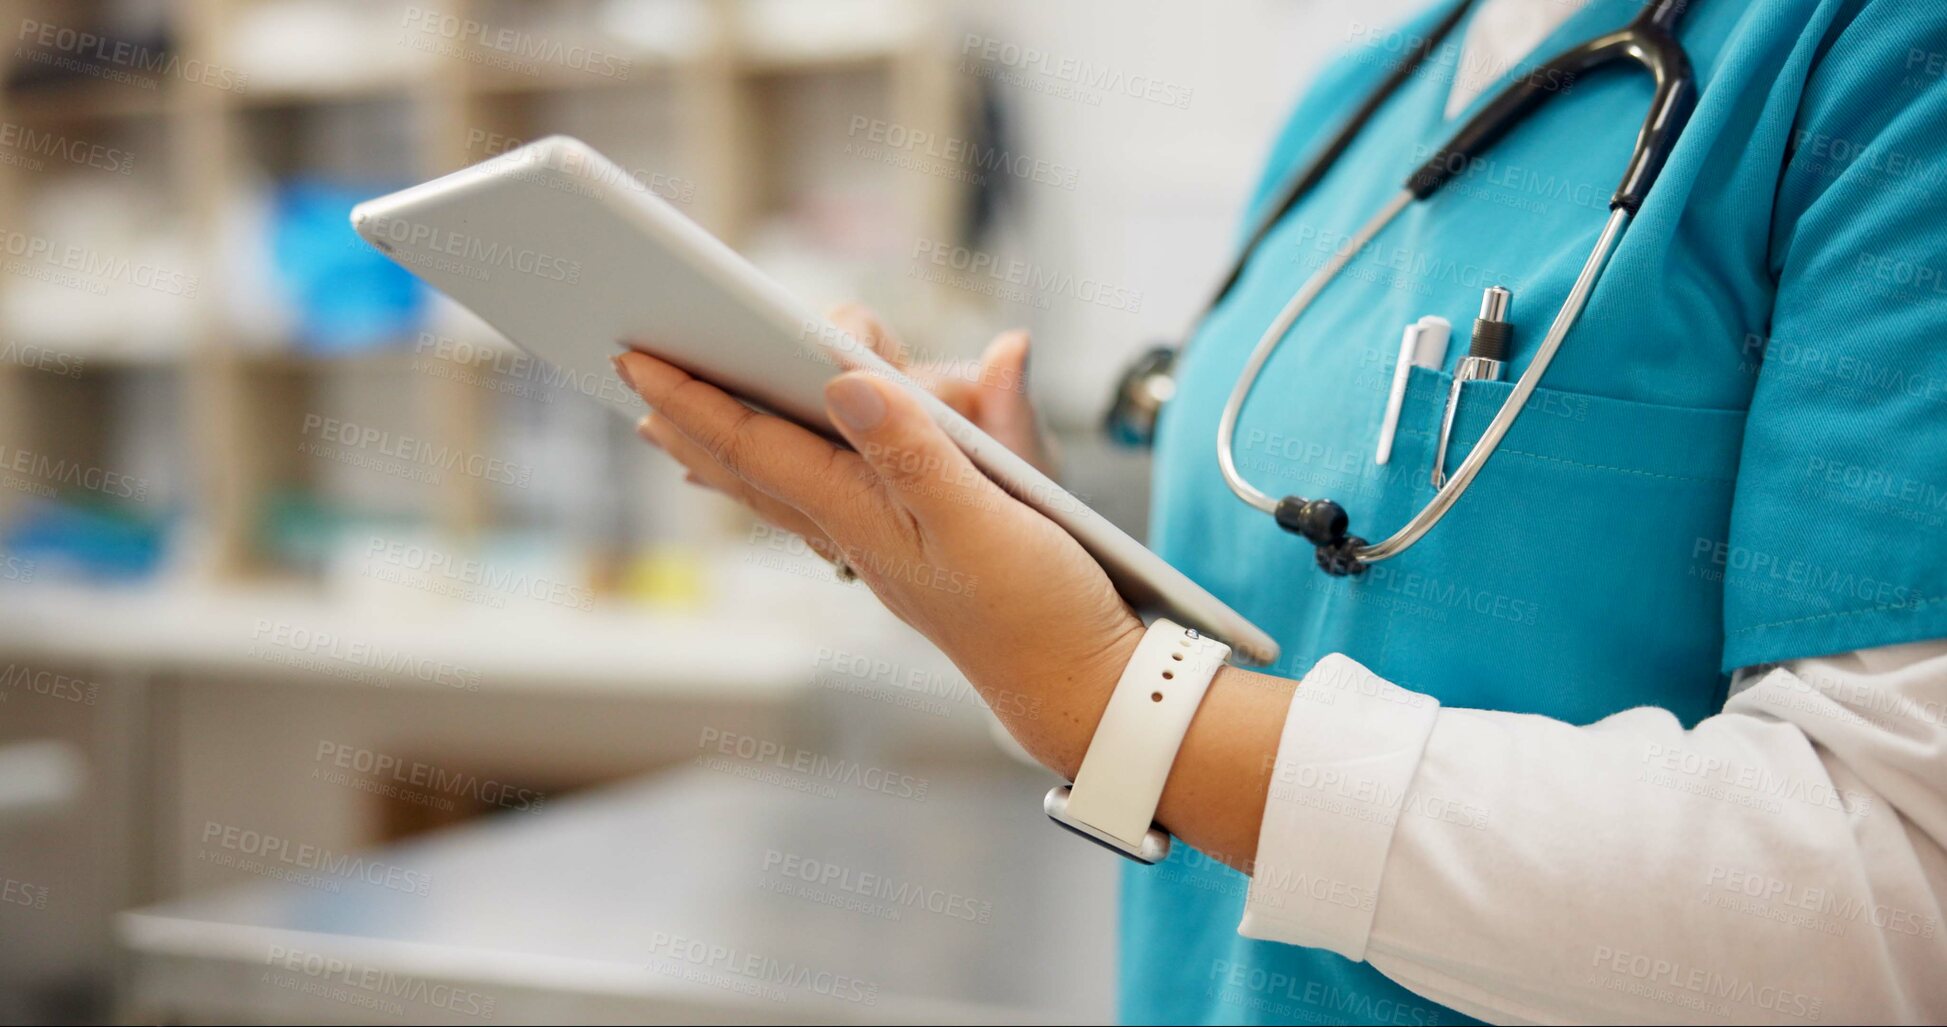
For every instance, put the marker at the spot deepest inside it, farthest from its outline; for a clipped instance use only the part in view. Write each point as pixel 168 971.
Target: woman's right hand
pixel 993 395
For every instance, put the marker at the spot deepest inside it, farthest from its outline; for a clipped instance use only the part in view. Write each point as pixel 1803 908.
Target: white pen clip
pixel 1423 345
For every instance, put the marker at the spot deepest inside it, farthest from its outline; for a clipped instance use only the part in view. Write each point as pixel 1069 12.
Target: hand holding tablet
pixel 566 255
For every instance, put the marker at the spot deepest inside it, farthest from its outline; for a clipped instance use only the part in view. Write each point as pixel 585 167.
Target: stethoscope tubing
pixel 1650 43
pixel 1497 429
pixel 1268 344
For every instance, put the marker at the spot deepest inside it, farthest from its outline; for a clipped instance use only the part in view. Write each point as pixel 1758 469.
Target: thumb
pixel 912 454
pixel 865 325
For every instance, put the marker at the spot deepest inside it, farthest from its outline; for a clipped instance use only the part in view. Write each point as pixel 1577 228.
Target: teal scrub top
pixel 1739 455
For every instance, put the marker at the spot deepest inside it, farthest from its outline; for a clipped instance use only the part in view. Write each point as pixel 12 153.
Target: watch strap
pixel 1121 779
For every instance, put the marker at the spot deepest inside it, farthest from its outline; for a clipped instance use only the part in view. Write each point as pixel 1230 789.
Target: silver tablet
pixel 567 255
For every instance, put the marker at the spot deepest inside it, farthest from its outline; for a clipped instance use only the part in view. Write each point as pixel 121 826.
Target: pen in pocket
pixel 1423 345
pixel 1483 362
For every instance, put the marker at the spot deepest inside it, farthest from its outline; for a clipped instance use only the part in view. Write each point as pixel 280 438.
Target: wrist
pixel 1068 702
pixel 1086 702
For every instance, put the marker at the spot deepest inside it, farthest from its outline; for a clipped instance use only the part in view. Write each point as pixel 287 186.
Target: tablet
pixel 567 255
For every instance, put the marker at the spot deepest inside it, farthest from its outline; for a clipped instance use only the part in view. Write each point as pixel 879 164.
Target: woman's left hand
pixel 1010 597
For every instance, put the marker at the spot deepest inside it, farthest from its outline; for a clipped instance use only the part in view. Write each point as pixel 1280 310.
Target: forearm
pixel 1216 792
pixel 1215 796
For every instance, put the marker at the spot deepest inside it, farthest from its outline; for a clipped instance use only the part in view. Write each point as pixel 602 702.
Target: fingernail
pixel 856 403
pixel 622 371
pixel 647 427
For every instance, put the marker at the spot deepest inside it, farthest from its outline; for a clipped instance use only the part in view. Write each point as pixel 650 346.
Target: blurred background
pixel 354 667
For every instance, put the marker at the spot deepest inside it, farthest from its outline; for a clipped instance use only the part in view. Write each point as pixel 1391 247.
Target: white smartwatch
pixel 1114 797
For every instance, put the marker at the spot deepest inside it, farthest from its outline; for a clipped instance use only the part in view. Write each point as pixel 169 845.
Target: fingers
pixel 774 456
pixel 1000 394
pixel 861 323
pixel 908 451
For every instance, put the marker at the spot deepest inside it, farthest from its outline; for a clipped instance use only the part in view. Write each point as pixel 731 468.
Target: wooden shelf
pixel 371 90
pixel 789 62
pixel 85 99
pixel 240 389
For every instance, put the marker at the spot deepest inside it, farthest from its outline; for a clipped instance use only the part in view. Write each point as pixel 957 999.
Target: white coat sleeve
pixel 1780 862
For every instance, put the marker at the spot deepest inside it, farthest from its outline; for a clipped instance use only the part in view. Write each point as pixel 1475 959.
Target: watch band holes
pixel 1169 675
pixel 1155 697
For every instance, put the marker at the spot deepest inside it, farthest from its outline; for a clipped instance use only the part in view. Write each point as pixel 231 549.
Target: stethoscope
pixel 1648 41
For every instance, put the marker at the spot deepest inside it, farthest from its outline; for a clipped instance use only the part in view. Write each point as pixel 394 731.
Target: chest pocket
pixel 1579 575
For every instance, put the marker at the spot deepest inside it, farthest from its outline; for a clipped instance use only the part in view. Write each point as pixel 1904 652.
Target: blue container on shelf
pixel 89 542
pixel 349 297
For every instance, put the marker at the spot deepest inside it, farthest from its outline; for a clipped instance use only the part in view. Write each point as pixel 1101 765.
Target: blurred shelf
pixel 79 361
pixel 286 358
pixel 399 88
pixel 85 100
pixel 235 630
pixel 788 61
pixel 646 70
pixel 314 90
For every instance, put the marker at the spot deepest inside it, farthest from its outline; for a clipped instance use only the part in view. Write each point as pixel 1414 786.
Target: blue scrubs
pixel 1739 456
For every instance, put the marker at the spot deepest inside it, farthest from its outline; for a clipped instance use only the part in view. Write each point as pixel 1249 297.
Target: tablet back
pixel 567 256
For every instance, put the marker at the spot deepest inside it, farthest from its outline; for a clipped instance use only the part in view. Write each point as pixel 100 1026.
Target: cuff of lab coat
pixel 1351 745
